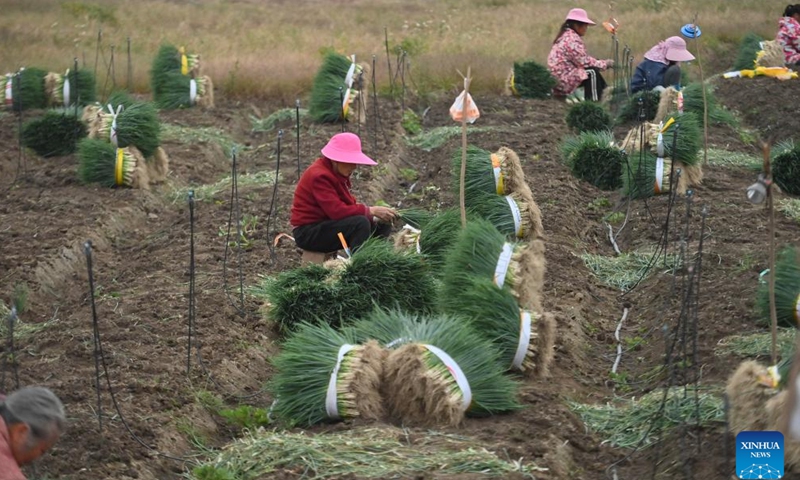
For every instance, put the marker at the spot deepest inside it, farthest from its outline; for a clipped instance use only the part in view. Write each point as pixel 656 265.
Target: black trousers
pixel 323 236
pixel 594 85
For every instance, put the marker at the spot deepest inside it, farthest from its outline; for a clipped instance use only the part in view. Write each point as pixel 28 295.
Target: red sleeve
pixel 334 207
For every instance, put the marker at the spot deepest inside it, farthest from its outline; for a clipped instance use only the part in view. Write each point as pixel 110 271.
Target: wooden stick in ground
pixel 772 310
pixel 464 149
pixel 705 101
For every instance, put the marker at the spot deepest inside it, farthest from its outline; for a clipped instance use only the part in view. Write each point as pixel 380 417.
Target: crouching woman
pixel 323 206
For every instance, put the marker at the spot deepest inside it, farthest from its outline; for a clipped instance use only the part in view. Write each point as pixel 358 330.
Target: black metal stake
pixel 95 331
pixel 297 134
pixel 374 129
pixel 113 70
pixel 191 282
pixel 388 59
pixel 97 50
pixel 403 82
pixel 273 207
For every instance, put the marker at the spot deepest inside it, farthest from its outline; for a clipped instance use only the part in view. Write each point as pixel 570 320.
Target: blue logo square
pixel 759 455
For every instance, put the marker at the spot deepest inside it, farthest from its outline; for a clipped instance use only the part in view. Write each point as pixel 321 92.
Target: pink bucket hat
pixel 676 50
pixel 346 148
pixel 579 15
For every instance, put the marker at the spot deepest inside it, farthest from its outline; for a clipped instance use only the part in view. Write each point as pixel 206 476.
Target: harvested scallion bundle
pixel 54 134
pixel 180 91
pixel 28 89
pixel 136 125
pixel 787 290
pixel 330 95
pixel 687 128
pixel 510 214
pixel 786 166
pixel 72 87
pixel 593 157
pixel 588 117
pixel 102 163
pixel 323 375
pixel 646 175
pixel 439 368
pixel 524 338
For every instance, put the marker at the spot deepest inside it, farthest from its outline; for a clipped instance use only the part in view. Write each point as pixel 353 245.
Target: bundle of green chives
pixel 55 134
pixel 325 375
pixel 593 157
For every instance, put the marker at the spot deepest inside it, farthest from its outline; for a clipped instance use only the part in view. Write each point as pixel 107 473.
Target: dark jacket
pixel 323 194
pixel 650 74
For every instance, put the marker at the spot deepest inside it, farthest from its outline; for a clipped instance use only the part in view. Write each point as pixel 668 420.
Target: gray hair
pixel 37 407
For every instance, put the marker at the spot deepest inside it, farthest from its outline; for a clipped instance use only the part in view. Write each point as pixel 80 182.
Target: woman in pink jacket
pixel 571 66
pixel 789 35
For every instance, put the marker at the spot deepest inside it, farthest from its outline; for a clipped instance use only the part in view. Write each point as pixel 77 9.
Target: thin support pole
pixel 465 107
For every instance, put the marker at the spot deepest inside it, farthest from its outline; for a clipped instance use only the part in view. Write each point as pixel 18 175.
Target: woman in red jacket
pixel 323 205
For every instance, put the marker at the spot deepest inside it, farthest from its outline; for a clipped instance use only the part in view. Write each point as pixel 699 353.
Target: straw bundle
pixel 667 104
pixel 495 314
pixel 70 88
pixel 690 175
pixel 28 89
pixel 331 99
pixel 588 117
pixel 158 166
pixel 646 175
pixel 136 125
pixel 100 162
pixel 770 55
pixel 531 80
pixel 325 375
pixel 55 134
pixel 205 92
pixel 593 157
pixel 786 167
pixel 439 369
pixel 92 117
pixel 747 395
pixel 787 290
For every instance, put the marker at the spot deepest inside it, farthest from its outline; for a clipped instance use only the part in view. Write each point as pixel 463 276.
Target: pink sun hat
pixel 579 15
pixel 346 148
pixel 676 50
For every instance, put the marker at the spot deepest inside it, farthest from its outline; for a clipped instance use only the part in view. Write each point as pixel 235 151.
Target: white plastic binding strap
pixel 65 92
pixel 112 132
pixel 348 79
pixel 797 309
pixel 192 91
pixel 455 371
pixel 660 145
pixel 331 402
pixel 659 174
pixel 524 339
pixel 9 93
pixel 498 175
pixel 396 342
pixel 517 216
pixel 503 261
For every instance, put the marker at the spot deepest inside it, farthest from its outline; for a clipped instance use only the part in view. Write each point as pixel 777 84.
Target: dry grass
pixel 253 48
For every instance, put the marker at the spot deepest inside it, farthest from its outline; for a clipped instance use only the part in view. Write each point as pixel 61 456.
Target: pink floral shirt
pixel 789 39
pixel 568 62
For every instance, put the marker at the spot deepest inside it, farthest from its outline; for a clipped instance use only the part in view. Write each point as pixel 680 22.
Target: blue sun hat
pixel 691 31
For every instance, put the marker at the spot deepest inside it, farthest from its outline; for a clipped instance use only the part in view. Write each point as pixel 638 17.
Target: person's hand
pixel 609 63
pixel 385 214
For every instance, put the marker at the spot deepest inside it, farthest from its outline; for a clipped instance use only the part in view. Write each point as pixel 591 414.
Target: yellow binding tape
pixel 499 184
pixel 118 177
pixel 666 125
pixel 184 62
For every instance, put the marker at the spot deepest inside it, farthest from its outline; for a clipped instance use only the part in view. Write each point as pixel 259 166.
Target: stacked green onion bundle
pixel 531 80
pixel 180 91
pixel 524 338
pixel 27 89
pixel 71 88
pixel 326 375
pixel 594 158
pixel 588 117
pixel 786 166
pixel 438 369
pixel 646 175
pixel 334 92
pixel 55 134
pixel 102 163
pixel 787 290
